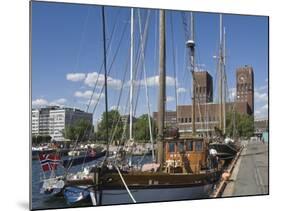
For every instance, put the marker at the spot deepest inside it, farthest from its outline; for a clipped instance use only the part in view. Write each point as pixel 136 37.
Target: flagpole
pixel 44 176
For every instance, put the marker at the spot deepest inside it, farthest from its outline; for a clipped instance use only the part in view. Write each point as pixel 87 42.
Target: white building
pixel 53 120
pixel 35 122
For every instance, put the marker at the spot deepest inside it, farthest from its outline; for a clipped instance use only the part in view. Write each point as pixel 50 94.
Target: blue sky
pixel 67 55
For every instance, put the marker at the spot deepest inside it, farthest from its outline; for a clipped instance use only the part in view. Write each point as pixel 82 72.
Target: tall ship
pixel 183 168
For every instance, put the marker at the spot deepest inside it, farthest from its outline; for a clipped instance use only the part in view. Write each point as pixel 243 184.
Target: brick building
pixel 245 86
pixel 203 87
pixel 207 114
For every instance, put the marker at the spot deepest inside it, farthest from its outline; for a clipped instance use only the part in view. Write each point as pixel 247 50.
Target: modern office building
pixel 52 120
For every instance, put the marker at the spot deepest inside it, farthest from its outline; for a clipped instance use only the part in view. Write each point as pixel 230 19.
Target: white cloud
pixel 261 88
pixel 60 101
pixel 154 81
pixel 265 107
pixel 75 76
pixel 39 102
pixel 87 95
pixel 93 78
pixel 261 97
pixel 181 90
pixel 169 99
pixel 261 111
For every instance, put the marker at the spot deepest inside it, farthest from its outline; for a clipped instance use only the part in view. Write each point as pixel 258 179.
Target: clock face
pixel 242 78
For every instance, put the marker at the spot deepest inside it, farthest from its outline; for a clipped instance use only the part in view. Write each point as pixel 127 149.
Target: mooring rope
pixel 129 192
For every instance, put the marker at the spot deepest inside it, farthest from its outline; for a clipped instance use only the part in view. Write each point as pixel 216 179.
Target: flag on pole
pixel 49 162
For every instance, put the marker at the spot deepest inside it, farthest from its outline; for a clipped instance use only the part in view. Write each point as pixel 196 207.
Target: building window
pixel 189 145
pixel 171 147
pixel 180 147
pixel 190 119
pixel 185 119
pixel 198 146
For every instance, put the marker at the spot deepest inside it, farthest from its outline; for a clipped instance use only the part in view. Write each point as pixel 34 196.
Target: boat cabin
pixel 185 155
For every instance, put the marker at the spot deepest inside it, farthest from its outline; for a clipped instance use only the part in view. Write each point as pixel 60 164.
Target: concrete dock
pixel 250 174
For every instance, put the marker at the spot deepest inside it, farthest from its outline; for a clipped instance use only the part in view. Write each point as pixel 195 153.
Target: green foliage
pixel 141 128
pixel 241 125
pixel 81 130
pixel 41 139
pixel 115 126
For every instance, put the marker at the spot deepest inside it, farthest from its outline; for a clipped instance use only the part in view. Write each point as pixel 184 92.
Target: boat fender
pixel 226 176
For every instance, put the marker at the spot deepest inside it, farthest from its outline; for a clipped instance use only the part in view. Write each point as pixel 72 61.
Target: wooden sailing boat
pixel 182 170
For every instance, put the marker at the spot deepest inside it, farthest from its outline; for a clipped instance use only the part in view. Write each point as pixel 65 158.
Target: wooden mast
pixel 162 91
pixel 191 45
pixel 105 82
pixel 221 77
pixel 224 83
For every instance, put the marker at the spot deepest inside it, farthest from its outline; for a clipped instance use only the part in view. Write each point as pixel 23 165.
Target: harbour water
pixel 42 201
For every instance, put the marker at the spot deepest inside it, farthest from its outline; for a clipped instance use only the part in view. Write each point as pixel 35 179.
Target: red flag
pixel 49 161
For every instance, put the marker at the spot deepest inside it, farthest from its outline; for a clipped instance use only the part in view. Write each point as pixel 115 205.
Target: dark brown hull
pixel 140 180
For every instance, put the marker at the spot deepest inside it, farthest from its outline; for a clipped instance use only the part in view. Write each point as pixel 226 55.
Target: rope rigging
pixel 93 90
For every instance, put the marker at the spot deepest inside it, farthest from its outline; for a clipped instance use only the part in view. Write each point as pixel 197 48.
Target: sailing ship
pixel 224 147
pixel 182 169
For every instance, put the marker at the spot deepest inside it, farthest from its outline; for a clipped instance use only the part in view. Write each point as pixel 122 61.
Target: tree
pixel 41 139
pixel 241 125
pixel 80 130
pixel 141 128
pixel 115 126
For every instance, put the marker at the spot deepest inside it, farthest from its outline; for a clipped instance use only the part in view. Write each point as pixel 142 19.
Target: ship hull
pixel 141 195
pixel 151 187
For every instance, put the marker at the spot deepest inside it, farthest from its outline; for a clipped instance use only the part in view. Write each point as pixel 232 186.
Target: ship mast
pixel 191 45
pixel 224 83
pixel 222 78
pixel 131 76
pixel 162 83
pixel 105 82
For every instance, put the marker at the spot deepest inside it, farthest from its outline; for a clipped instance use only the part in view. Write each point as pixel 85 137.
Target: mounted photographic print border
pixel 183 112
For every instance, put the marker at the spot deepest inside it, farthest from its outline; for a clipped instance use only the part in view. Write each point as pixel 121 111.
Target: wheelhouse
pixel 185 155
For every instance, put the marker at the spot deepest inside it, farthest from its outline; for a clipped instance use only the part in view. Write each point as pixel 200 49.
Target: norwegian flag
pixel 49 162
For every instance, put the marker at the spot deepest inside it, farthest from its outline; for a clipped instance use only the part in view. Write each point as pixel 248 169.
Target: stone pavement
pixel 250 175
